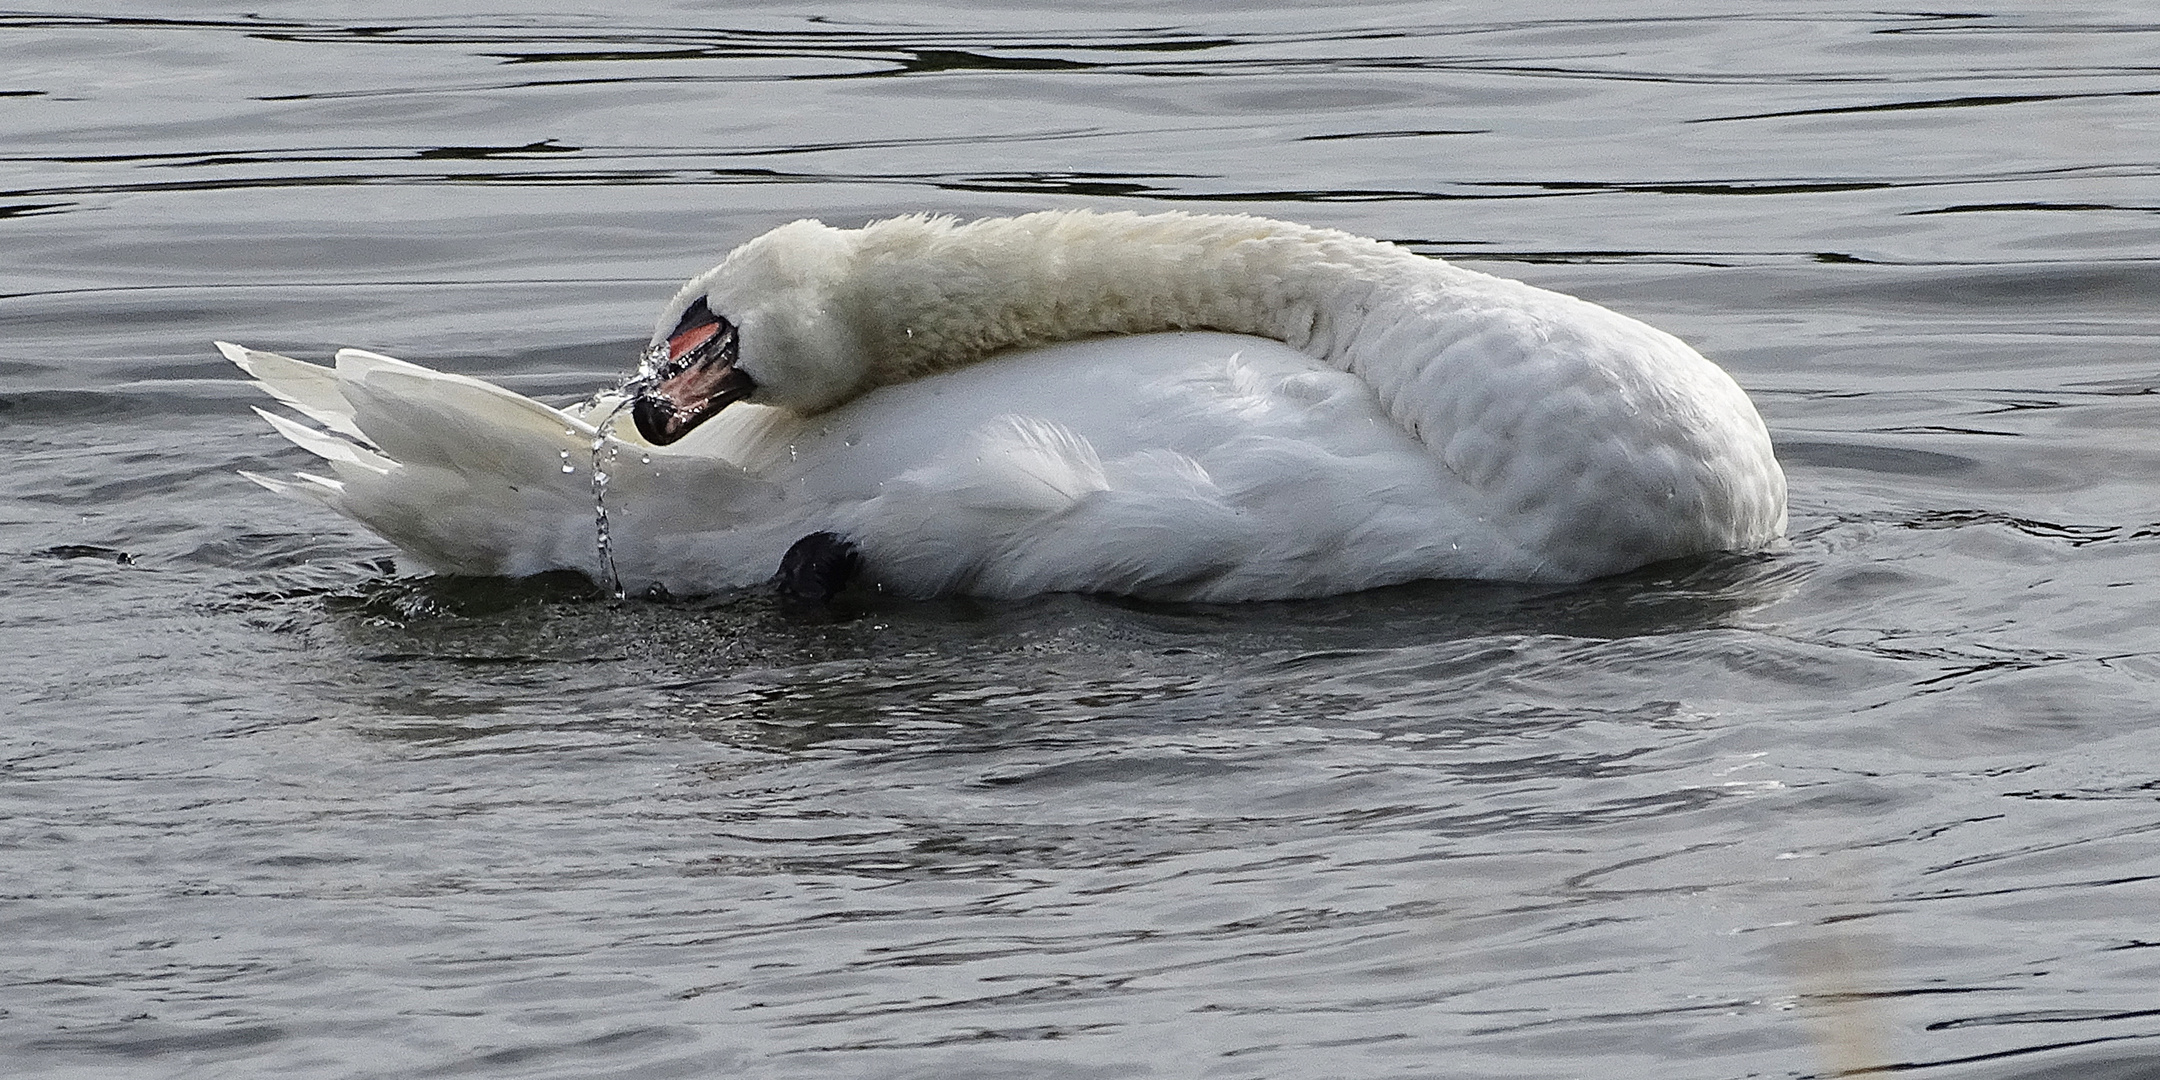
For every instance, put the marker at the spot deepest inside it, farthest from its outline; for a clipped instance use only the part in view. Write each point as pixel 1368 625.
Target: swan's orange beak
pixel 698 378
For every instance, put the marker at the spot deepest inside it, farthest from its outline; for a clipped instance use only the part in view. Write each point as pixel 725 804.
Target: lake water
pixel 1887 801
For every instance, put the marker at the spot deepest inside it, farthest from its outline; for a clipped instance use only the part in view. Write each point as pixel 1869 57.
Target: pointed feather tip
pixel 326 446
pixel 243 358
pixel 253 361
pixel 270 482
pixel 320 488
pixel 289 380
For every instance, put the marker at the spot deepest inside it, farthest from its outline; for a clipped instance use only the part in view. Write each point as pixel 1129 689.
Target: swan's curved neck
pixel 929 295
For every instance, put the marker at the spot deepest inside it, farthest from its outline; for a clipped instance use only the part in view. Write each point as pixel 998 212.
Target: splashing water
pixel 650 362
pixel 604 453
pixel 601 540
pixel 603 458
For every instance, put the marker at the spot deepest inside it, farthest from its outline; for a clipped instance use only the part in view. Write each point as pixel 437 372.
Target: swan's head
pixel 767 325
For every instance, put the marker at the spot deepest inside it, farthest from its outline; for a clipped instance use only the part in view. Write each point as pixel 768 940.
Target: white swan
pixel 1284 411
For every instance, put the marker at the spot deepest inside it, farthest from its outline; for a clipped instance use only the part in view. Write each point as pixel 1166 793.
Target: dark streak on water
pixel 1881 803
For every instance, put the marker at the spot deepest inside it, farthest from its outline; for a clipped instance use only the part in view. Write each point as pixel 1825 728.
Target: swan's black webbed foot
pixel 818 566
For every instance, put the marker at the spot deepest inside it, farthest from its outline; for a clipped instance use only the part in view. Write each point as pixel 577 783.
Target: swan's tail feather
pixel 421 417
pixel 308 389
pixel 472 478
pixel 334 450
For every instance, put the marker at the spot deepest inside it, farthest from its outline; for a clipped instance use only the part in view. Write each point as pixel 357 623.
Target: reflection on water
pixel 1876 803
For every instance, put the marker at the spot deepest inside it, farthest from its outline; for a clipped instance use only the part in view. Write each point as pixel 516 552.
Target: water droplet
pixel 603 453
pixel 649 364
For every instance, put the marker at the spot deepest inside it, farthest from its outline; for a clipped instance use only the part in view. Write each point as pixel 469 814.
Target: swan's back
pixel 1196 466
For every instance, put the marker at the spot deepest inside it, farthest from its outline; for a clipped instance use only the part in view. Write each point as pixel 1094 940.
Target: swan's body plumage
pixel 1176 406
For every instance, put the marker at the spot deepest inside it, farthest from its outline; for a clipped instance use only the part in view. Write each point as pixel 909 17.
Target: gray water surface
pixel 1881 802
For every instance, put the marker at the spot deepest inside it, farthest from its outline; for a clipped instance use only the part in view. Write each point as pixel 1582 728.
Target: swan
pixel 1170 405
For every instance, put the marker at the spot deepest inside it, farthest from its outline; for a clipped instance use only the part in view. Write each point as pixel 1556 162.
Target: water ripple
pixel 1878 802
